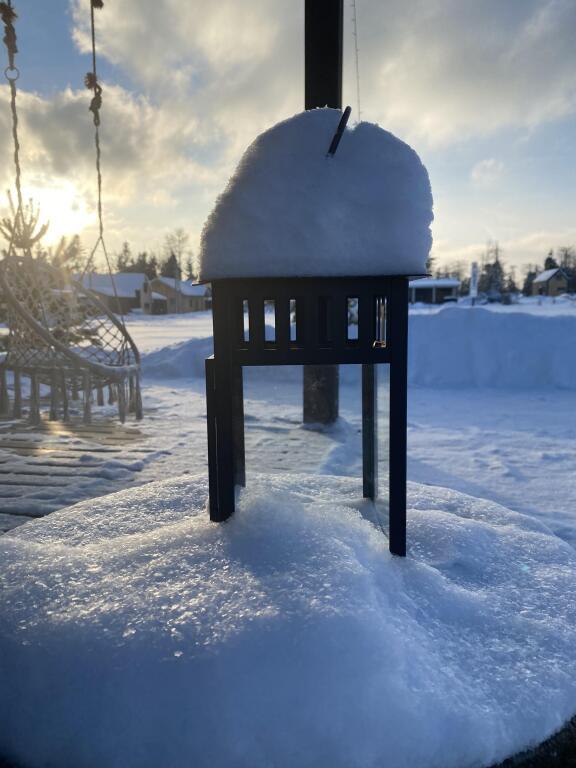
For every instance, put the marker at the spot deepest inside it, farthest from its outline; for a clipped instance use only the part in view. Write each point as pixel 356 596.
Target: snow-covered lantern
pixel 317 219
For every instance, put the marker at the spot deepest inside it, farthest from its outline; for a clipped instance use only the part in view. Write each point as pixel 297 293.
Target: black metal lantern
pixel 311 328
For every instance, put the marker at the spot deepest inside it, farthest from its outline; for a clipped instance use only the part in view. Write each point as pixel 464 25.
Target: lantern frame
pixel 319 336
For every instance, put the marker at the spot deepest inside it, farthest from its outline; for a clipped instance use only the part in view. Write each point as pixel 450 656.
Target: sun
pixel 63 206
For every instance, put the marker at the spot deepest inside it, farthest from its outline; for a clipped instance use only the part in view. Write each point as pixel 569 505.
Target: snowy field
pixel 491 411
pixel 457 658
pixel 491 405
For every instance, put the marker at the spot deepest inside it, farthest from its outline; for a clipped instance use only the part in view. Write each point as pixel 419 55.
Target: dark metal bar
pixel 256 314
pixel 339 323
pixel 282 309
pixel 369 432
pixel 211 427
pixel 323 53
pixel 398 335
pixel 323 48
pixel 325 310
pixel 350 354
pixel 223 404
pixel 237 387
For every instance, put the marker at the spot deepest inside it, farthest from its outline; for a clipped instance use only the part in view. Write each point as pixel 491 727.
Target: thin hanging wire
pixel 21 230
pixel 356 55
pixel 91 82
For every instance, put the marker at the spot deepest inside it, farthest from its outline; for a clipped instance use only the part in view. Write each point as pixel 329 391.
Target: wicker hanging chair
pixel 63 336
pixel 60 333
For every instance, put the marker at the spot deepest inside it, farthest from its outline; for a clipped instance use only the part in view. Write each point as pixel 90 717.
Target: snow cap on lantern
pixel 291 211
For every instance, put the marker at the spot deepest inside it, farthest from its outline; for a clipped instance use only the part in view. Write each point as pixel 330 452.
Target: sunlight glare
pixel 63 206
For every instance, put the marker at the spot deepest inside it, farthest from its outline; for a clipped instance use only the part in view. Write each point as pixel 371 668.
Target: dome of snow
pixel 135 632
pixel 289 210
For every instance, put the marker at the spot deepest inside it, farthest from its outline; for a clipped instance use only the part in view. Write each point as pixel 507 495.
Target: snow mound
pixel 453 347
pixel 136 632
pixel 474 347
pixel 186 359
pixel 291 211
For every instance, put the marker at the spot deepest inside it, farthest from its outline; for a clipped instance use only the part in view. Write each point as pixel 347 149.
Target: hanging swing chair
pixel 61 335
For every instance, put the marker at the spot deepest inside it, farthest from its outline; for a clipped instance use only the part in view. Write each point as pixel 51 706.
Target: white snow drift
pixel 137 633
pixel 291 211
pixel 454 347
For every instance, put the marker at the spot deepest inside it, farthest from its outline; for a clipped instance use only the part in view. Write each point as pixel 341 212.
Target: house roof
pixel 543 277
pixel 183 286
pixel 435 282
pixel 126 283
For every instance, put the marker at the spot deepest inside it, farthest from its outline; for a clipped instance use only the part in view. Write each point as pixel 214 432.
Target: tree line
pixel 174 260
pixel 498 281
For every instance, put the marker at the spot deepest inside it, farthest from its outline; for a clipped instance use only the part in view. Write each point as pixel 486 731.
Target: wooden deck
pixel 51 465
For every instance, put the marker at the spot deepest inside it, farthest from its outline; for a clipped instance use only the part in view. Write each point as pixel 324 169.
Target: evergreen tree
pixel 170 267
pixel 124 258
pixel 550 262
pixel 152 269
pixel 530 274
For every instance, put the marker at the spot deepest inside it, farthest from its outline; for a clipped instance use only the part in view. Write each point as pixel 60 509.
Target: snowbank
pixel 474 347
pixel 289 210
pixel 452 347
pixel 182 360
pixel 137 633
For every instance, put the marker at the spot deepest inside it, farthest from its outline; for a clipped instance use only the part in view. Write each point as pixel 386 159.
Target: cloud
pixel 435 72
pixel 200 80
pixel 448 70
pixel 487 172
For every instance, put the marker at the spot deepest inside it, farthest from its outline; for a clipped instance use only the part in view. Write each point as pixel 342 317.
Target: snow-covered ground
pixel 490 411
pixel 137 633
pixel 491 406
pixel 458 657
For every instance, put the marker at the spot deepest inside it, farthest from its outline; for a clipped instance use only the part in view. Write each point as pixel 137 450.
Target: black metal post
pixel 323 53
pixel 398 414
pixel 323 36
pixel 221 414
pixel 369 432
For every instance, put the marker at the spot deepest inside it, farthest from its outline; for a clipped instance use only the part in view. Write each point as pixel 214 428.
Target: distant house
pixel 181 295
pixel 128 291
pixel 551 282
pixel 433 290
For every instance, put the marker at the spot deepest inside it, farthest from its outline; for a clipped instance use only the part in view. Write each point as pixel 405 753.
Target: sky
pixel 484 90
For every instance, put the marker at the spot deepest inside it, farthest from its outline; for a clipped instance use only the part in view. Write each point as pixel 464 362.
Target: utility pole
pixel 323 35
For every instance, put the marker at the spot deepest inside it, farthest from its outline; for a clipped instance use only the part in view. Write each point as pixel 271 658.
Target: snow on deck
pixel 289 636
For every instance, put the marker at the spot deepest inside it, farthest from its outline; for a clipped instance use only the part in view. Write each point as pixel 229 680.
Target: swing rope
pixel 12 74
pixel 20 230
pixel 91 82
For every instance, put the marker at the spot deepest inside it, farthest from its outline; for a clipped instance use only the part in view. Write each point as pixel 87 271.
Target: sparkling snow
pixel 137 633
pixel 481 581
pixel 291 211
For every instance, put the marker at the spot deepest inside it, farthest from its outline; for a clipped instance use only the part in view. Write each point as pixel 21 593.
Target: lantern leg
pixel 369 432
pixel 211 426
pixel 239 445
pixel 220 409
pixel 398 414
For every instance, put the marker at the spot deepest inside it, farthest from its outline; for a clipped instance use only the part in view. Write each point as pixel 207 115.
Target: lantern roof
pixel 293 210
